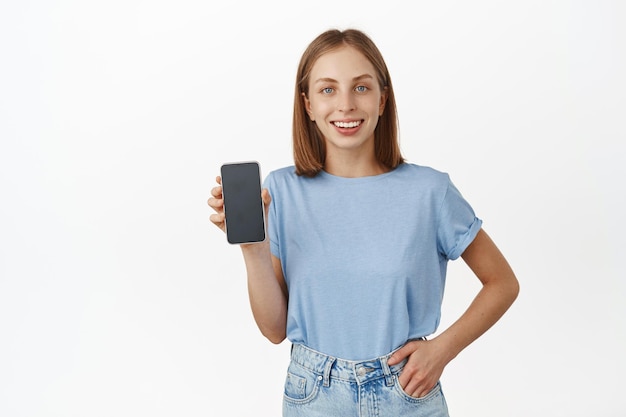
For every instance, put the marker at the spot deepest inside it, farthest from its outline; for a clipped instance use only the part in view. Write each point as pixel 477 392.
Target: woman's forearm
pixel 492 301
pixel 267 291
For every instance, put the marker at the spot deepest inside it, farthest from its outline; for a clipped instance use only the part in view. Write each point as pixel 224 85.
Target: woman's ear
pixel 307 106
pixel 383 100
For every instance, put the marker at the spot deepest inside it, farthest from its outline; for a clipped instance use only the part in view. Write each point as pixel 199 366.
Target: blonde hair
pixel 308 143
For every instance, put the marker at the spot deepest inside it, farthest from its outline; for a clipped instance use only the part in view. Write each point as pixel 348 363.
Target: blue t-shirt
pixel 365 258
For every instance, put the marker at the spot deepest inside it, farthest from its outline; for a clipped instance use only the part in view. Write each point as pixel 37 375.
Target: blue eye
pixel 327 90
pixel 361 89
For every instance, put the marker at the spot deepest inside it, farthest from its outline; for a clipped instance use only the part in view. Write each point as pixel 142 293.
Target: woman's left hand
pixel 423 369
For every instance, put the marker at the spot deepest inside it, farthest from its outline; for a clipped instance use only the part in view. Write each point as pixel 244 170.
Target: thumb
pixel 400 354
pixel 265 195
pixel 267 199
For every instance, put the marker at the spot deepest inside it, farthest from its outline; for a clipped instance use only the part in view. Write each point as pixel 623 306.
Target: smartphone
pixel 243 206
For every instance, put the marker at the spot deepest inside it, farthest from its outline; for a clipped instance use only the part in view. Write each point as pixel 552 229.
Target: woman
pixel 354 269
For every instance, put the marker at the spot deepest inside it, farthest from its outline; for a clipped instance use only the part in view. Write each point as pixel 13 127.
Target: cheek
pixel 320 109
pixel 372 107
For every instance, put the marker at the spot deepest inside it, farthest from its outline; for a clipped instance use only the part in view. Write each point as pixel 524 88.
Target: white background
pixel 118 297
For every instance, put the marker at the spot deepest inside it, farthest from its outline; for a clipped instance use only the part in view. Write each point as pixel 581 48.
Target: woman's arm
pixel 427 359
pixel 267 290
pixel 266 285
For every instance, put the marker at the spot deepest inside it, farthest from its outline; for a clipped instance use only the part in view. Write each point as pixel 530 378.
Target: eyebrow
pixel 332 80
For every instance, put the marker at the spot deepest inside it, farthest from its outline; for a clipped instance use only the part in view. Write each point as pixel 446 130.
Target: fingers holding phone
pixel 216 202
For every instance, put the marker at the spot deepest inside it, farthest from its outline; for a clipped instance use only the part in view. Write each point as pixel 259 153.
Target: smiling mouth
pixel 348 125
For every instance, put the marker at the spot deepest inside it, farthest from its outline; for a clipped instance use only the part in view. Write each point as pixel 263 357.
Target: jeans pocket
pixel 301 384
pixel 435 391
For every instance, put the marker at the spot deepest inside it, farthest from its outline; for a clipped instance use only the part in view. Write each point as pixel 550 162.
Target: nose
pixel 345 101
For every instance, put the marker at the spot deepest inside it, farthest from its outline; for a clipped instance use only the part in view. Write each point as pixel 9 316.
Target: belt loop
pixel 387 371
pixel 329 364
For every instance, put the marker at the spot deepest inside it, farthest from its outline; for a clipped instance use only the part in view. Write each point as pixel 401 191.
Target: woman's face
pixel 345 100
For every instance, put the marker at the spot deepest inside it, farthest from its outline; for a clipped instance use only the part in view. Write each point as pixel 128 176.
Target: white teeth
pixel 350 124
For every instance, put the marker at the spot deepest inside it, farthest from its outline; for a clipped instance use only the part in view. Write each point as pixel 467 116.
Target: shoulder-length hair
pixel 308 143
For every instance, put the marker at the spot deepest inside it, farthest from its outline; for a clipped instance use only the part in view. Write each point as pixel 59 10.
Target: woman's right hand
pixel 216 202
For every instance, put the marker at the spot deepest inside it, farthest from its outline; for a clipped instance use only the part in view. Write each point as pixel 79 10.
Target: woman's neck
pixel 353 166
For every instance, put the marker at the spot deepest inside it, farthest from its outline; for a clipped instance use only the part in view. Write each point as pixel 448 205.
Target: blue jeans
pixel 318 385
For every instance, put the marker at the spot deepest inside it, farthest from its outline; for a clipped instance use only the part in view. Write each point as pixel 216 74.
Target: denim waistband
pixel 359 372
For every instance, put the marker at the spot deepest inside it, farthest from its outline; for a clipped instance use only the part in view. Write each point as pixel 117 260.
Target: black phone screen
pixel 243 206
